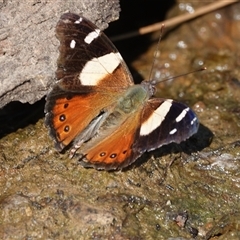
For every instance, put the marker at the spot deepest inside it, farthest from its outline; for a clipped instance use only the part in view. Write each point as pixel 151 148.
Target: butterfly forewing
pixel 165 121
pixel 87 56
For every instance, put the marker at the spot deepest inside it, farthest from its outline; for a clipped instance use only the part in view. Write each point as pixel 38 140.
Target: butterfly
pixel 94 105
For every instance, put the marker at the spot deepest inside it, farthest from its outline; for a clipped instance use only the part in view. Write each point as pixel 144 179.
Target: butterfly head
pixel 149 86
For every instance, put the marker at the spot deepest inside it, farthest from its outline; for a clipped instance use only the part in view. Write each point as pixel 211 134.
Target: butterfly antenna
pixel 181 75
pixel 155 58
pixel 156 52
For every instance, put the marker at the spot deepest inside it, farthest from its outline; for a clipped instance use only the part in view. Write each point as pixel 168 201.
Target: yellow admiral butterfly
pixel 96 107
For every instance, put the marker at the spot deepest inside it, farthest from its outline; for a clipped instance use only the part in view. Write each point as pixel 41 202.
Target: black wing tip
pixel 69 15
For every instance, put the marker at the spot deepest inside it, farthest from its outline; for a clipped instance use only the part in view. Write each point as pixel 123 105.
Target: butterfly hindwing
pixel 113 148
pixel 69 114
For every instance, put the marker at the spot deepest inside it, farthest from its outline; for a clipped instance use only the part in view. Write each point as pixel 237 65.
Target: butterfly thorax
pixel 134 97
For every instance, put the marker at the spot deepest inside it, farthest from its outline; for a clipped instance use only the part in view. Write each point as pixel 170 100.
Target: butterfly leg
pixel 75 148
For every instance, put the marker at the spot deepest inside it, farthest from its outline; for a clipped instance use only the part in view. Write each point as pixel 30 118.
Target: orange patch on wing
pixel 116 150
pixel 71 116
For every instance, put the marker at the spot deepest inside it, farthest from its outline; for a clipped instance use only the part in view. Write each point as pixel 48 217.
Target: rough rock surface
pixel 28 49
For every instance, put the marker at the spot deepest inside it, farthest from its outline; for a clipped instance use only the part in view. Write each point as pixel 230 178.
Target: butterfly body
pixel 96 107
pixel 133 99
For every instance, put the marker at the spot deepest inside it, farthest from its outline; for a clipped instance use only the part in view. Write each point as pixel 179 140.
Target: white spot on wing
pixel 119 56
pixel 72 44
pixel 78 21
pixel 157 117
pixel 193 121
pixel 91 36
pixel 173 131
pixel 98 68
pixel 182 114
